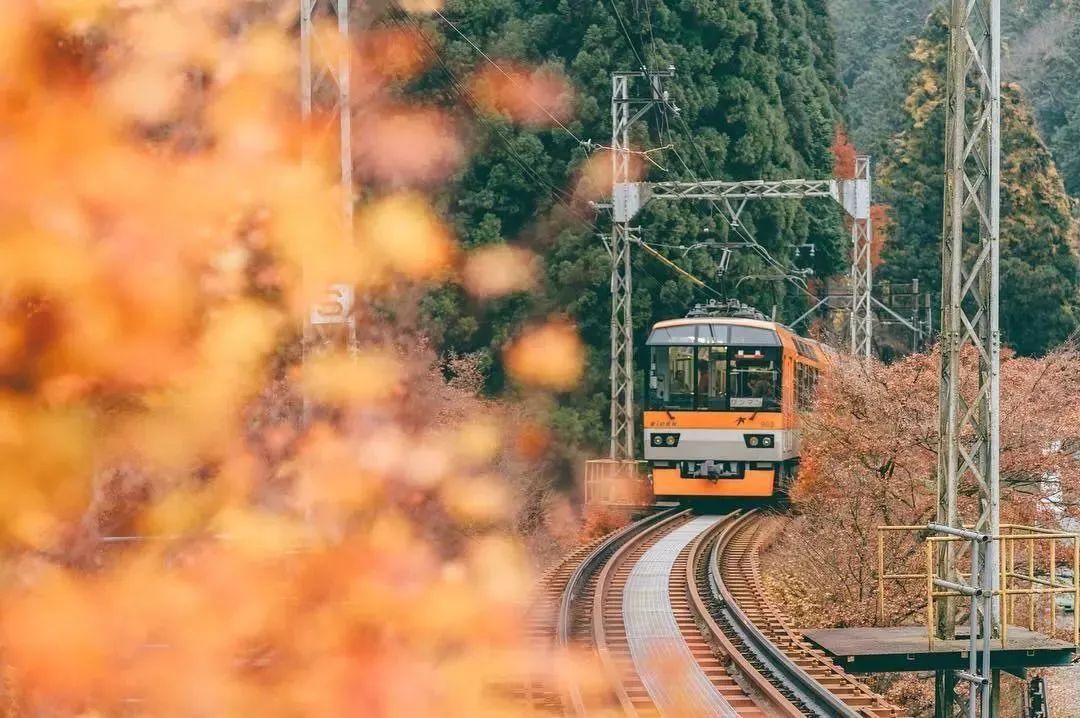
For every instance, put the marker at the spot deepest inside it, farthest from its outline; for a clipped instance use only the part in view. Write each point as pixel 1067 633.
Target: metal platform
pixel 905 648
pixel 675 681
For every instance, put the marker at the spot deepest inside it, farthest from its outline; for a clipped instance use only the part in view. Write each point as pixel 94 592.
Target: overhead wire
pixel 676 268
pixel 737 227
pixel 646 154
pixel 626 34
pixel 647 24
pixel 507 75
pixel 557 194
pixel 463 92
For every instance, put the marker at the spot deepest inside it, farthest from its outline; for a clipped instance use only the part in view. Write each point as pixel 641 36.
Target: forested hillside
pixel 756 85
pixel 1041 52
pixel 1038 267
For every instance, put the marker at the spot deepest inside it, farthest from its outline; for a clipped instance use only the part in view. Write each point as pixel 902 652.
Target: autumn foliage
pixel 193 520
pixel 870 458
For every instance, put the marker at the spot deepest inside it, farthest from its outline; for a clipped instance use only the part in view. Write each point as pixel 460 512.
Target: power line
pixel 648 26
pixel 557 194
pixel 626 34
pixel 676 268
pixel 735 226
pixel 507 75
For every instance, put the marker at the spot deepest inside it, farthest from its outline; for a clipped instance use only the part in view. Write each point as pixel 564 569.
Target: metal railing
pixel 617 482
pixel 1020 575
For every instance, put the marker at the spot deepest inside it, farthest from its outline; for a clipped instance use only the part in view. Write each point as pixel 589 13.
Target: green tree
pixel 1058 102
pixel 1038 266
pixel 759 98
pixel 1041 53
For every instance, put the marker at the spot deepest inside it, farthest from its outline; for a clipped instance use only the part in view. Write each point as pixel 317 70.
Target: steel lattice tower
pixel 625 110
pixel 622 328
pixel 969 400
pixel 862 272
pixel 315 77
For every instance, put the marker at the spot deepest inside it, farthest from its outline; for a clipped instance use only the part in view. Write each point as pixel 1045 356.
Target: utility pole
pixel 969 425
pixel 331 318
pixel 625 110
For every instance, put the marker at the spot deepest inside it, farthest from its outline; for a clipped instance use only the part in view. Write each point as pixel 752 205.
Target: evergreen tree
pixel 759 98
pixel 1038 267
pixel 1041 53
pixel 1058 103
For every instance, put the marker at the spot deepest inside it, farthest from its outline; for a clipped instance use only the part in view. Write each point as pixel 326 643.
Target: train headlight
pixel 763 441
pixel 766 441
pixel 753 441
pixel 670 440
pixel 657 439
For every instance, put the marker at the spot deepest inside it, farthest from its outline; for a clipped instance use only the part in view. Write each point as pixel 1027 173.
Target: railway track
pixel 671 611
pixel 803 673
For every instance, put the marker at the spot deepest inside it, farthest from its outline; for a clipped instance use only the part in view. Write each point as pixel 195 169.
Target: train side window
pixel 806 378
pixel 754 379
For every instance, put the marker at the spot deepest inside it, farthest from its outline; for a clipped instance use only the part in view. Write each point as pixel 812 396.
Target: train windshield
pixel 715 378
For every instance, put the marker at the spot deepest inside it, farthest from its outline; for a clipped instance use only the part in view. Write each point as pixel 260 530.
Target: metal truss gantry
pixel 731 197
pixel 969 399
pixel 325 88
pixel 629 197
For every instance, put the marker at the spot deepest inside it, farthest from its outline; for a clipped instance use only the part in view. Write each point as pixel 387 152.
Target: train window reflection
pixel 671 382
pixel 754 379
pixel 689 378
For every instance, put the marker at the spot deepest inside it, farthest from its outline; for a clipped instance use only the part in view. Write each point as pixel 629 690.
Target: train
pixel 722 405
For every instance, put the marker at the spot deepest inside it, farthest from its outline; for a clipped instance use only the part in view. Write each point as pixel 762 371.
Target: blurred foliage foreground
pixel 176 542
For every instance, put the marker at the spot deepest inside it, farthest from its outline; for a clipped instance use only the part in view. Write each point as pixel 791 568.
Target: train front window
pixel 754 379
pixel 687 378
pixel 711 392
pixel 671 381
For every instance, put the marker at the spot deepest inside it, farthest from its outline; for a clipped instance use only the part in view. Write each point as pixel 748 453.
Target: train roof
pixel 722 330
pixel 719 320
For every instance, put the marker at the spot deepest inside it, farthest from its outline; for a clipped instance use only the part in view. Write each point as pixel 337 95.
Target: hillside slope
pixel 1038 266
pixel 1041 53
pixel 756 85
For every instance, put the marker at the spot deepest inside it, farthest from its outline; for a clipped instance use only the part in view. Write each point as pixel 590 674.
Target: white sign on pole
pixel 335 307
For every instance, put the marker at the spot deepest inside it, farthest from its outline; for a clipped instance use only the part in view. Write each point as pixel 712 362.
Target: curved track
pixel 671 612
pixel 805 674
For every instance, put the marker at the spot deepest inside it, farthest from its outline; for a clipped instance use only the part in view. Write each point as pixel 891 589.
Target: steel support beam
pixel 852 194
pixel 968 452
pixel 718 190
pixel 625 110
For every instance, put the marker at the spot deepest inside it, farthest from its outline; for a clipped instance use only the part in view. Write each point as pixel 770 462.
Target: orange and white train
pixel 723 399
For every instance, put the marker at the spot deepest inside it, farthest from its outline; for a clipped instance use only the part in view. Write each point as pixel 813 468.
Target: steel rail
pixel 611 671
pixel 576 584
pixel 543 616
pixel 849 698
pixel 811 692
pixel 767 693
